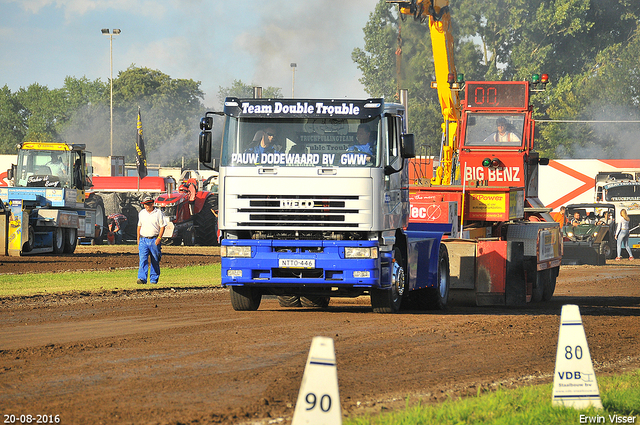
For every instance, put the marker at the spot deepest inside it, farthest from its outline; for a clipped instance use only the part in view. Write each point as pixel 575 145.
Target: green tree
pixel 572 40
pixel 608 91
pixel 379 65
pixel 42 110
pixel 79 112
pixel 86 114
pixel 170 109
pixel 378 60
pixel 12 125
pixel 243 91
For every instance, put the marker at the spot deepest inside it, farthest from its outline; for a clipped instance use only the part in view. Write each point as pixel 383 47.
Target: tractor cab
pixel 52 165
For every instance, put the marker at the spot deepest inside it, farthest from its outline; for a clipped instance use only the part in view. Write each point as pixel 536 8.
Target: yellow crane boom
pixel 439 20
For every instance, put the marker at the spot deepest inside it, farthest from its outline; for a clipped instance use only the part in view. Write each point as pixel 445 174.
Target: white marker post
pixel 574 380
pixel 318 401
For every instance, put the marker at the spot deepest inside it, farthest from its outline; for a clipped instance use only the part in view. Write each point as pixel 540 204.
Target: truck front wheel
pixel 245 298
pixel 388 300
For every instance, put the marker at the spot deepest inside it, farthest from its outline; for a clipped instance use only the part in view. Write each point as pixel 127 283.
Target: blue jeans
pixel 623 241
pixel 149 252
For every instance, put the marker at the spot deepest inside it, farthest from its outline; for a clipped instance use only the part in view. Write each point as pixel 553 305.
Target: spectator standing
pixel 117 224
pixel 560 216
pixel 151 225
pixel 622 234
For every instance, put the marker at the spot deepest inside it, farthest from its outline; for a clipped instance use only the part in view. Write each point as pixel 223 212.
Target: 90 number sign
pixel 497 95
pixel 323 402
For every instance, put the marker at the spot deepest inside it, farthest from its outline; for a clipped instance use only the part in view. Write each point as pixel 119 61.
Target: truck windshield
pixel 622 192
pixel 44 168
pixel 494 129
pixel 251 142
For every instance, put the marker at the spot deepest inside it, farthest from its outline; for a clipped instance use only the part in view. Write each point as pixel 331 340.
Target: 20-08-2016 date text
pixel 31 419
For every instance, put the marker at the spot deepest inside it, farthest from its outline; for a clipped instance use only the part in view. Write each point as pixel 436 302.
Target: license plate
pixel 636 246
pixel 296 263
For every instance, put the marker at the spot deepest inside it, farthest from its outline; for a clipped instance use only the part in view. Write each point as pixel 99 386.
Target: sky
pixel 213 41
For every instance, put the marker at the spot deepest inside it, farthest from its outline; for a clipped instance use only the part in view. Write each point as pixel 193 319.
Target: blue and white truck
pixel 314 204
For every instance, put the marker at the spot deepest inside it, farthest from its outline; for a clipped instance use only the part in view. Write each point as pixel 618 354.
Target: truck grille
pixel 299 211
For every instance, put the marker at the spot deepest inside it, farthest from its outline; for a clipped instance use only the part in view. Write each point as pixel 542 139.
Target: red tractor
pixel 192 211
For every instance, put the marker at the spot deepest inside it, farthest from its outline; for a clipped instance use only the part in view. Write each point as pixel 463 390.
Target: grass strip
pixel 526 405
pixel 98 281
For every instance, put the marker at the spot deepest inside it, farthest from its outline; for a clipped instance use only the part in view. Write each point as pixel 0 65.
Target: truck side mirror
pixel 206 123
pixel 11 172
pixel 408 146
pixel 205 146
pixel 543 161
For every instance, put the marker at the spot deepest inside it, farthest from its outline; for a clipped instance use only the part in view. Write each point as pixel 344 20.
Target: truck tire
pixel 542 278
pixel 245 298
pixel 58 240
pixel 550 284
pixel 317 302
pixel 289 301
pixel 70 240
pixel 438 298
pixel 188 237
pixel 95 202
pixel 606 250
pixel 388 300
pixel 28 245
pixel 206 223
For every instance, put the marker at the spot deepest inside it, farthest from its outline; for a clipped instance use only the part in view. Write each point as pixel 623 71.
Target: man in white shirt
pixel 151 225
pixel 56 166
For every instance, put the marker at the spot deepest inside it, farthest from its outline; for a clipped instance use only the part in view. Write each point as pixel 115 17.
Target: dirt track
pixel 163 356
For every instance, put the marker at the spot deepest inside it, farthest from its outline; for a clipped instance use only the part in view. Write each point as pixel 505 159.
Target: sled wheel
pixel 550 284
pixel 28 245
pixel 58 240
pixel 70 240
pixel 542 277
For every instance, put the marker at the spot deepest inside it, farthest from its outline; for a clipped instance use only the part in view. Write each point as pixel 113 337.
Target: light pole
pixel 293 80
pixel 106 32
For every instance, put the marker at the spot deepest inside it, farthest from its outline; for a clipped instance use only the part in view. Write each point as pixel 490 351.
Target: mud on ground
pixel 185 356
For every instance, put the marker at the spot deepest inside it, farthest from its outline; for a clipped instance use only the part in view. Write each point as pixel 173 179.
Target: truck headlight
pixel 235 251
pixel 361 252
